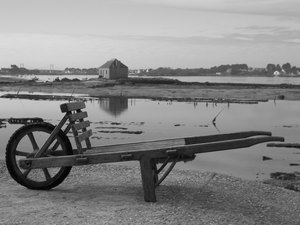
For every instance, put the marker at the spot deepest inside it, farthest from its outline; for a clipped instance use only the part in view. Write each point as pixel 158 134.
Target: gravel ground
pixel 112 194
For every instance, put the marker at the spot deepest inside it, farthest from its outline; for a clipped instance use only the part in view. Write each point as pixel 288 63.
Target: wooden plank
pixel 87 140
pixel 144 147
pixel 77 142
pixel 285 145
pixel 25 120
pixel 67 107
pixel 175 142
pixel 107 157
pixel 84 135
pixel 138 146
pixel 147 179
pixel 78 116
pixel 224 137
pixel 81 125
pixel 197 148
pixel 70 160
pixel 88 143
pixel 226 145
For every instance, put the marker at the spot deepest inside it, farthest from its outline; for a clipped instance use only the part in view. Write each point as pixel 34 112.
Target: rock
pixel 265 158
pixel 280 97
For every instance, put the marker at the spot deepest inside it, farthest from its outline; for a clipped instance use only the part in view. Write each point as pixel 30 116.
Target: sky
pixel 149 33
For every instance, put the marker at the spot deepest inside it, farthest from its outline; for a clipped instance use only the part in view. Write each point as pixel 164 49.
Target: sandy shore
pixel 112 194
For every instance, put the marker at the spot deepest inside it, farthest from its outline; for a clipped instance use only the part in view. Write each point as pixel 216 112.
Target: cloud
pixel 271 34
pixel 43 49
pixel 286 8
pixel 253 35
pixel 295 40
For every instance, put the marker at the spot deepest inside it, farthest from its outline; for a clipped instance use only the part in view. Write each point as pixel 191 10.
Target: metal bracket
pixel 172 152
pixel 24 164
pixel 126 157
pixel 82 160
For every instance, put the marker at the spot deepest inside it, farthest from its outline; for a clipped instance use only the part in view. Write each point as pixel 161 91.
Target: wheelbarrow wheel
pixel 24 143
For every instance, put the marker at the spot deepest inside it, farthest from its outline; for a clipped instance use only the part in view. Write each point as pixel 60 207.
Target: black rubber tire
pixel 12 154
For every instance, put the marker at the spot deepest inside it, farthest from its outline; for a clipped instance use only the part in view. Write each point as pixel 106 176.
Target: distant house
pixel 5 70
pixel 113 69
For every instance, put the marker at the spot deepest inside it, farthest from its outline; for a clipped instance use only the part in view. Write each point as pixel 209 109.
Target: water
pixel 122 120
pixel 244 80
pixel 212 79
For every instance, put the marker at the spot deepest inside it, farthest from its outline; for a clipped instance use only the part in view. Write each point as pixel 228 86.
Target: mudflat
pixel 158 88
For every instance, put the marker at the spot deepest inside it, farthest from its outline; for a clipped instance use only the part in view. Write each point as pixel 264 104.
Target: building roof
pixel 113 64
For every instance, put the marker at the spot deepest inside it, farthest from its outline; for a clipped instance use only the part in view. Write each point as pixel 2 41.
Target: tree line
pixel 15 70
pixel 233 69
pixel 286 68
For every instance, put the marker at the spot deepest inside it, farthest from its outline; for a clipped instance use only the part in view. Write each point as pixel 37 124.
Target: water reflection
pixel 115 106
pixel 119 120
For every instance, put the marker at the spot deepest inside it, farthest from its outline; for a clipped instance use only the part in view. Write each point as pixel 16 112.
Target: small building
pixel 113 69
pixel 5 71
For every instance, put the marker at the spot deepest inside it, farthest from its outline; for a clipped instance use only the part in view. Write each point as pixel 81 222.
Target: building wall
pixel 104 72
pixel 118 73
pixel 113 69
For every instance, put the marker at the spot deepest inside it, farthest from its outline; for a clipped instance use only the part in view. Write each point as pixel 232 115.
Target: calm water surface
pixel 244 80
pixel 121 120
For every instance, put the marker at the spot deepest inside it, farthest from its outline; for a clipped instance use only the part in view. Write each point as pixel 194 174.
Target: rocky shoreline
pixel 178 99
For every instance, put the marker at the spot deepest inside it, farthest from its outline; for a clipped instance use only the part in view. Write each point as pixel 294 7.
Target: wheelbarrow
pixel 40 155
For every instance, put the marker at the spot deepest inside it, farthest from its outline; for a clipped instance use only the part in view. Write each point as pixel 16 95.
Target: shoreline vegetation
pixel 155 88
pixel 271 69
